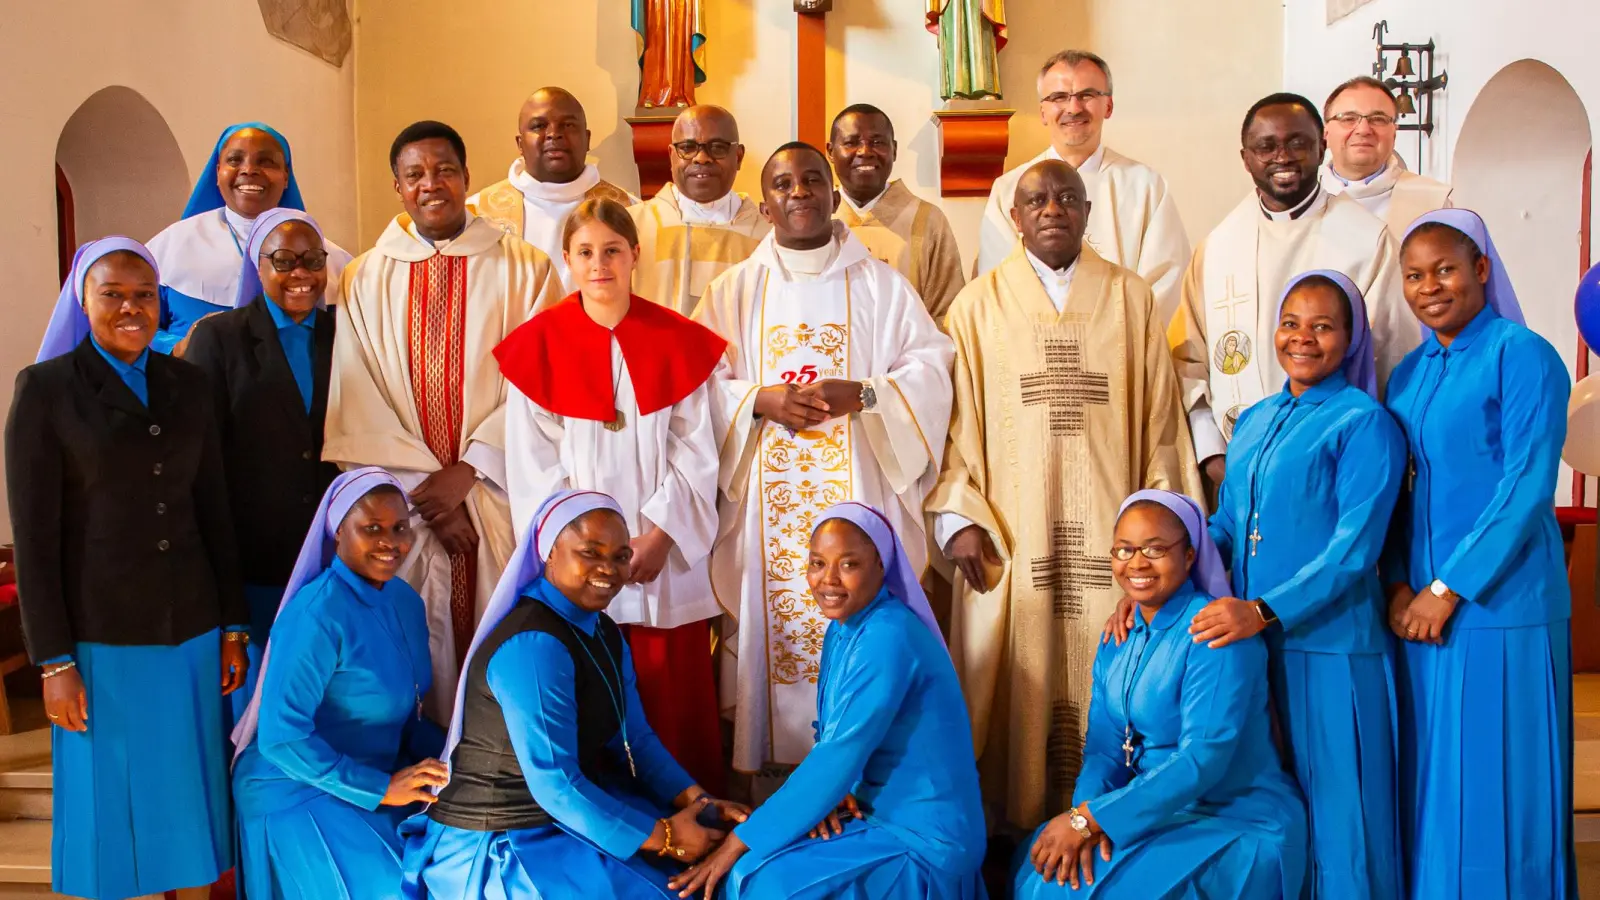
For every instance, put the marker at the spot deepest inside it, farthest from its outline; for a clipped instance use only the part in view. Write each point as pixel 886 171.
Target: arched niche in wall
pixel 123 170
pixel 1519 162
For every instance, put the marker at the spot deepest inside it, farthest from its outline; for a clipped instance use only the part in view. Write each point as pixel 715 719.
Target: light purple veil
pixel 1498 293
pixel 897 575
pixel 1360 363
pixel 1208 573
pixel 249 270
pixel 69 324
pixel 316 555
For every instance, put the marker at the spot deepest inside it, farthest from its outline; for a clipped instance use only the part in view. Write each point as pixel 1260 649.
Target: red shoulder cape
pixel 561 358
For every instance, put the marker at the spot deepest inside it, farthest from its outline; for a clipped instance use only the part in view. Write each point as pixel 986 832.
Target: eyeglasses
pixel 1084 98
pixel 1124 553
pixel 284 261
pixel 1352 119
pixel 1296 148
pixel 714 149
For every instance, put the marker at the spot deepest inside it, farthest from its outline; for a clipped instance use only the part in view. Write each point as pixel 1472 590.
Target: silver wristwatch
pixel 1079 822
pixel 869 396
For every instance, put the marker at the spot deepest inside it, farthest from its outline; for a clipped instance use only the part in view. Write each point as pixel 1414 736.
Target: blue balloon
pixel 1586 306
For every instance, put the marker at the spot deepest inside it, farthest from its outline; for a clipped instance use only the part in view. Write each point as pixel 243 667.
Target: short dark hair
pixel 607 212
pixel 1073 58
pixel 1281 98
pixel 799 145
pixel 1323 281
pixel 860 109
pixel 426 130
pixel 1358 81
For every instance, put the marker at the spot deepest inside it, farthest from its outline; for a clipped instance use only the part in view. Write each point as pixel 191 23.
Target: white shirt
pixel 867 206
pixel 717 212
pixel 1056 282
pixel 806 265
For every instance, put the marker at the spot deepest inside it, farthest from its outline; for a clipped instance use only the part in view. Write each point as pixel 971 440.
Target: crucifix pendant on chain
pixel 1255 533
pixel 628 749
pixel 1127 748
pixel 618 421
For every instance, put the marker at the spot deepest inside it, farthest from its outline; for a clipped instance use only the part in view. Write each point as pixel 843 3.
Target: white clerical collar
pixel 551 192
pixel 239 225
pixel 806 265
pixel 411 229
pixel 717 212
pixel 1090 166
pixel 1057 282
pixel 1349 181
pixel 1298 210
pixel 867 206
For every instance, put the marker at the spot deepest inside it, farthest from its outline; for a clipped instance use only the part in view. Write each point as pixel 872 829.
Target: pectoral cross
pixel 1127 747
pixel 1255 532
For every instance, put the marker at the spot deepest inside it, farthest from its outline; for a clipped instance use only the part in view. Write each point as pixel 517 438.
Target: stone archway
pixel 123 170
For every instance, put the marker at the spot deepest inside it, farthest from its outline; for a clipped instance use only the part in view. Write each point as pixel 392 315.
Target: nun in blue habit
pixel 333 747
pixel 129 585
pixel 1181 793
pixel 250 171
pixel 1478 588
pixel 1312 477
pixel 886 805
pixel 558 787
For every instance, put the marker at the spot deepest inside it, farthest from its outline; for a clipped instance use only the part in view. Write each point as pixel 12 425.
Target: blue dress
pixel 1205 810
pixel 893 730
pixel 1486 717
pixel 591 850
pixel 339 715
pixel 1315 478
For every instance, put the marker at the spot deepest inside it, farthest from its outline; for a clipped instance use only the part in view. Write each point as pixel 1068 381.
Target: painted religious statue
pixel 971 33
pixel 672 37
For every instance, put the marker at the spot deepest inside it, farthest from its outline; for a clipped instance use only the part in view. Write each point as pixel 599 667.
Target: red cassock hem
pixel 673 666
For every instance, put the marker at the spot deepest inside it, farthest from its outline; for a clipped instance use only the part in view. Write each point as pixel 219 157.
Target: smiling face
pixel 862 149
pixel 123 303
pixel 703 177
pixel 553 136
pixel 251 172
pixel 1150 582
pixel 432 184
pixel 376 535
pixel 1313 333
pixel 601 260
pixel 591 559
pixel 1075 121
pixel 296 292
pixel 798 198
pixel 1444 277
pixel 1051 212
pixel 1361 148
pixel 1282 150
pixel 844 570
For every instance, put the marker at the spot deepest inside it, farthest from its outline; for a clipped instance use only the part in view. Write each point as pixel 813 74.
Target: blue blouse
pixel 297 339
pixel 533 676
pixel 341 702
pixel 1485 420
pixel 1316 478
pixel 132 374
pixel 893 730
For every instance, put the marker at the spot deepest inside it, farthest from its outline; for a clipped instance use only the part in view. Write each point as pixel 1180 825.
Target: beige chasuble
pixel 914 237
pixel 1222 336
pixel 1133 222
pixel 858 320
pixel 415 388
pixel 1395 195
pixel 679 258
pixel 1058 417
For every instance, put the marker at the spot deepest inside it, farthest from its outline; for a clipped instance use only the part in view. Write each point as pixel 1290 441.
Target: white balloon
pixel 1582 451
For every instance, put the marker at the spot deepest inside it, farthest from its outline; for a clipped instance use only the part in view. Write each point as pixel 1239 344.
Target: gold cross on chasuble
pixel 436 320
pixel 1066 387
pixel 1069 570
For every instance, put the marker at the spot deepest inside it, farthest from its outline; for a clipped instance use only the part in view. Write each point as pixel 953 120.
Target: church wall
pixel 202 64
pixel 1185 74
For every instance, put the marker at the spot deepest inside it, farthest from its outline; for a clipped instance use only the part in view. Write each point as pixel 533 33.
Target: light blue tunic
pixel 591 850
pixel 339 716
pixel 1316 477
pixel 1486 718
pixel 1205 809
pixel 893 730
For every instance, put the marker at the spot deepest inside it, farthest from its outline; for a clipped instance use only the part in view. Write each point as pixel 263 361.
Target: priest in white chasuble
pixel 1065 402
pixel 698 225
pixel 550 178
pixel 1362 164
pixel 1134 219
pixel 897 226
pixel 415 387
pixel 1222 335
pixel 835 386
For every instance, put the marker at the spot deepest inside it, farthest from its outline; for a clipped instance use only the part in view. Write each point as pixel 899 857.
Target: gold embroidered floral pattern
pixel 829 340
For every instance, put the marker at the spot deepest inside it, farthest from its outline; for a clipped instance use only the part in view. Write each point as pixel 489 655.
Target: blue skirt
pixel 1486 780
pixel 544 863
pixel 141 798
pixel 1337 712
pixel 1198 860
pixel 866 862
pixel 323 849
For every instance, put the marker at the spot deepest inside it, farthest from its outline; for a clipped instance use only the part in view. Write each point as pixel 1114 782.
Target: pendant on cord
pixel 617 423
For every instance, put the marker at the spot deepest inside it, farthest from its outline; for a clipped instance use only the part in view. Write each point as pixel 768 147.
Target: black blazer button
pixel 161 509
pixel 306 455
pixel 155 430
pixel 157 469
pixel 307 498
pixel 162 545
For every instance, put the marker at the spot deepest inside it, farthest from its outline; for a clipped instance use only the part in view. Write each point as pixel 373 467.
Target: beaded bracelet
pixel 53 671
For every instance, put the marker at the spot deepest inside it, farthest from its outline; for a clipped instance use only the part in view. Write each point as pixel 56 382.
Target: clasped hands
pixel 1420 618
pixel 441 502
pixel 710 872
pixel 1060 853
pixel 797 407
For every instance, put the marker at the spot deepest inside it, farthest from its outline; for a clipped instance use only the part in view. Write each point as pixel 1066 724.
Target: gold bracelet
pixel 238 637
pixel 666 842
